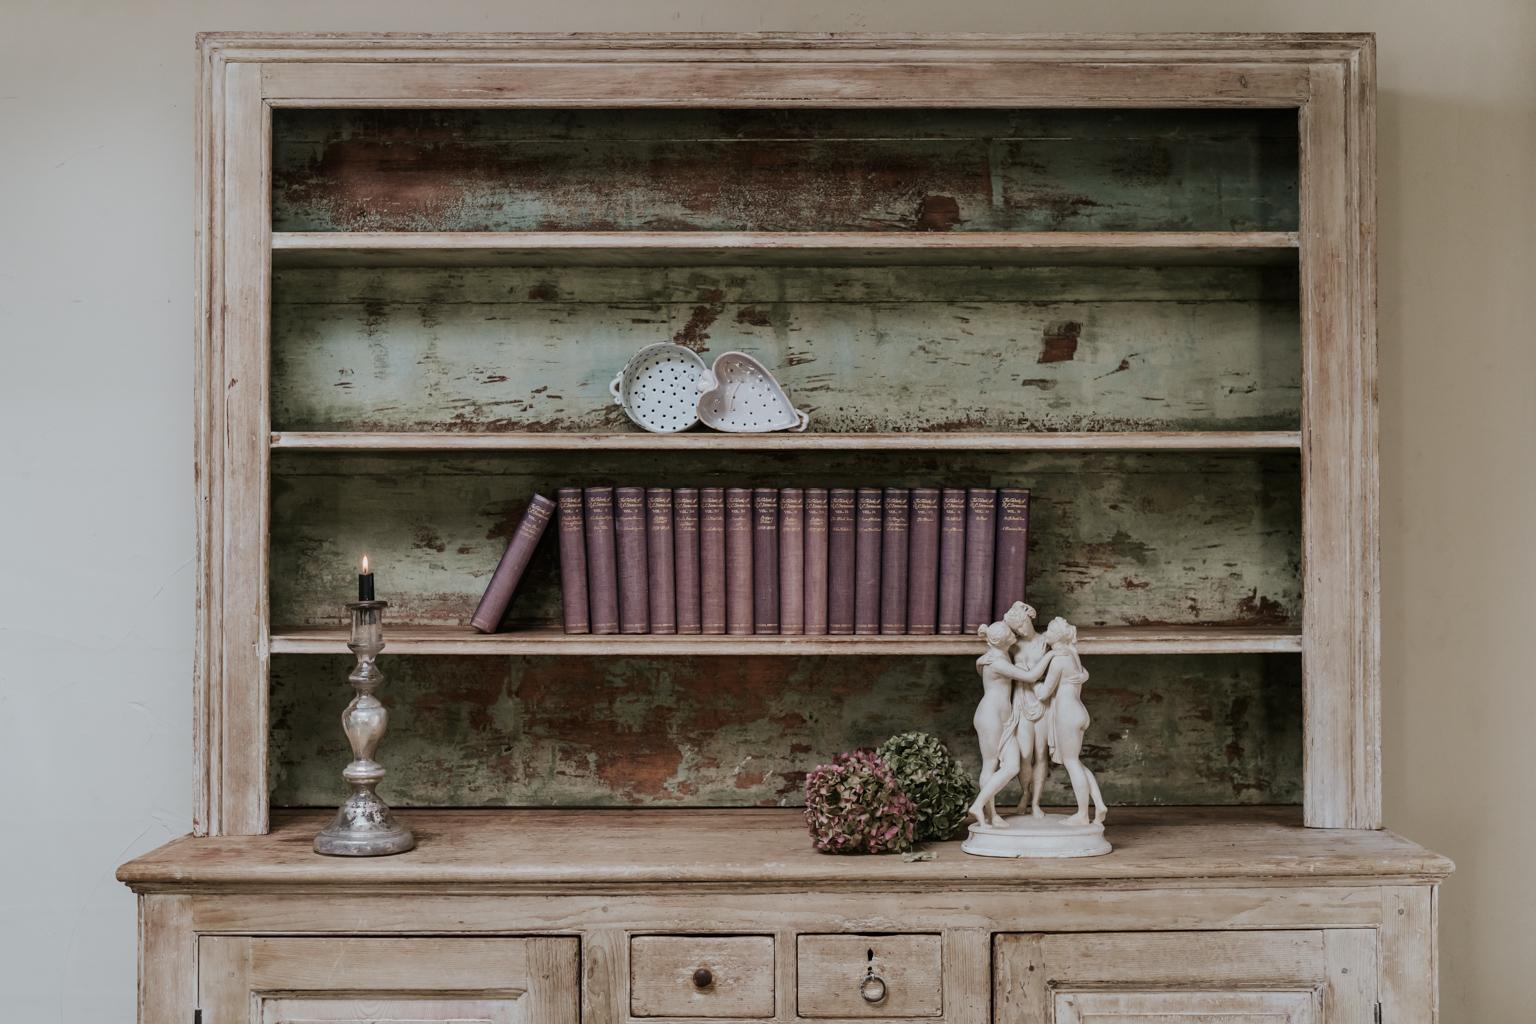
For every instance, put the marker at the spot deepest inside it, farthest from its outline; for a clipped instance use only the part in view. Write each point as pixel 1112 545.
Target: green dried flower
pixel 930 776
pixel 855 805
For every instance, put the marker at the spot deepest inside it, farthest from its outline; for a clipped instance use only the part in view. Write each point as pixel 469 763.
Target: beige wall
pixel 95 410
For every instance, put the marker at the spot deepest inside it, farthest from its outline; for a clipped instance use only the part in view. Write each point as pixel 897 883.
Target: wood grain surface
pixel 832 969
pixel 704 440
pixel 579 849
pixel 663 979
pixel 781 248
pixel 389 980
pixel 1255 977
pixel 549 641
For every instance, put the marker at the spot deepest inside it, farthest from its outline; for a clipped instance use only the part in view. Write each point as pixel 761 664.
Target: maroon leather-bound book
pixel 738 561
pixel 765 560
pixel 629 538
pixel 980 541
pixel 923 563
pixel 661 581
pixel 791 561
pixel 712 560
pixel 602 561
pixel 841 531
pixel 869 510
pixel 951 560
pixel 895 531
pixel 815 561
pixel 573 561
pixel 514 561
pixel 685 558
pixel 1010 558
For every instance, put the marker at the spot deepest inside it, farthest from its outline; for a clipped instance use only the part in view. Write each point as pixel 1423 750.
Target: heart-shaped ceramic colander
pixel 742 397
pixel 659 387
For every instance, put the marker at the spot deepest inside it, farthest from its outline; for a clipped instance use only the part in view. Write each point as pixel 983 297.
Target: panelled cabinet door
pixel 243 980
pixel 1300 977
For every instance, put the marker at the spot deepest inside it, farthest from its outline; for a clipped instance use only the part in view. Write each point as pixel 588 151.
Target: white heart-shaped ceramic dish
pixel 742 397
pixel 659 388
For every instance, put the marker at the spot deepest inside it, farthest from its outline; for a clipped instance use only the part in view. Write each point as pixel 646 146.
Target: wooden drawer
pixel 870 975
pixel 720 976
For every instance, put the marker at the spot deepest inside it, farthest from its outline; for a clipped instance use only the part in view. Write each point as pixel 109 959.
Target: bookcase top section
pixel 767 849
pixel 273 440
pixel 788 70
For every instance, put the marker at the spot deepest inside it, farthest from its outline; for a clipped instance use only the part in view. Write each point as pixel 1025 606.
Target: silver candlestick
pixel 365 826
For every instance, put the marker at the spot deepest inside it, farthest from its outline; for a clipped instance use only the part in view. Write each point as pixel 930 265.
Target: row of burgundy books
pixel 784 561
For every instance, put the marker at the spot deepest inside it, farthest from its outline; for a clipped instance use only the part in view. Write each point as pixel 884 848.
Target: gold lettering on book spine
pixel 925 508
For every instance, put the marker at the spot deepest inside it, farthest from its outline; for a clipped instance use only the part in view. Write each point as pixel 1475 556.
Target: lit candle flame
pixel 366 570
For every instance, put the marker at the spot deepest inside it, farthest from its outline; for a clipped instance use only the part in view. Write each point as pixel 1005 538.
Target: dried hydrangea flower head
pixel 855 805
pixel 937 784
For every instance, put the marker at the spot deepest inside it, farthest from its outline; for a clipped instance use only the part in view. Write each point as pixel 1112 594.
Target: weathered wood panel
pixel 766 170
pixel 738 731
pixel 860 348
pixel 1115 538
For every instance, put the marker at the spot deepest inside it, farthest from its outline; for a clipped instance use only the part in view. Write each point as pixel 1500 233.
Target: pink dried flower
pixel 855 805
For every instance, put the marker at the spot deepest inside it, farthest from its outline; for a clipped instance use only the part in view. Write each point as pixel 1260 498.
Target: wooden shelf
pixel 582 848
pixel 1230 440
pixel 687 248
pixel 551 641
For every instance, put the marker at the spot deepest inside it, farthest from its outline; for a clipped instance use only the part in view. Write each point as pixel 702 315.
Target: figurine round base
pixel 1025 836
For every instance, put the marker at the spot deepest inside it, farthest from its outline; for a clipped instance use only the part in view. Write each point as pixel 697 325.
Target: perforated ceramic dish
pixel 742 397
pixel 659 388
pixel 664 388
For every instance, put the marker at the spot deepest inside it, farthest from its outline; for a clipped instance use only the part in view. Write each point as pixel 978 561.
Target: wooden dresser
pixel 1135 274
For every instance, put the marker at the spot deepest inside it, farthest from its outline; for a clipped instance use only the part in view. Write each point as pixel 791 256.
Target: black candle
pixel 365 582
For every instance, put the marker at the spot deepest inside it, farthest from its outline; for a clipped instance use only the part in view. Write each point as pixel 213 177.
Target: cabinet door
pixel 1302 977
pixel 244 980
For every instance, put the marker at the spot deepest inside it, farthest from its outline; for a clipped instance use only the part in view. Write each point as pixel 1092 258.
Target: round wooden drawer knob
pixel 702 978
pixel 872 988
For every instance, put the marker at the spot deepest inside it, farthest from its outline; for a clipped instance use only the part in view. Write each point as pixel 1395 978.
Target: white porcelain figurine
pixel 1028 653
pixel 1032 714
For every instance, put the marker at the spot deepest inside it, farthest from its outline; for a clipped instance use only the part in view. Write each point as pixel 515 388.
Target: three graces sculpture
pixel 1031 715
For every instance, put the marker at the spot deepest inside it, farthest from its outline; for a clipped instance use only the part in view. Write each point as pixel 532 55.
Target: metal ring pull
pixel 872 988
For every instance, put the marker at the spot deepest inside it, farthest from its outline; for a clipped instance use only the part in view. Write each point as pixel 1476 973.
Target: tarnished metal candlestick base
pixel 365 826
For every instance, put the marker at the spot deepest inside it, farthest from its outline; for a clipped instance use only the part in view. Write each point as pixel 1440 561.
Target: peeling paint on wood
pixel 1115 538
pixel 488 731
pixel 860 348
pixel 1058 342
pixel 827 170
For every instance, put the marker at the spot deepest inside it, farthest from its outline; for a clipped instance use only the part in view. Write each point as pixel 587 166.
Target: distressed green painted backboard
pixel 1116 539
